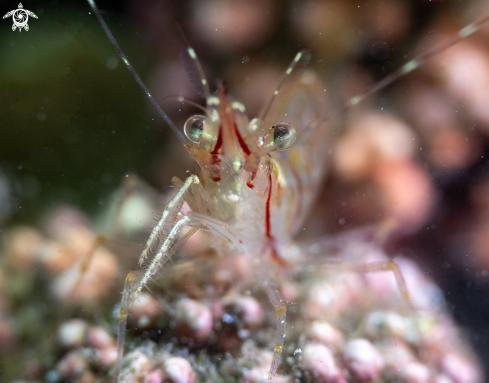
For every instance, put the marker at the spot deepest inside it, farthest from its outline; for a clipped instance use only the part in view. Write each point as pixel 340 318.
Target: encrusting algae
pixel 214 324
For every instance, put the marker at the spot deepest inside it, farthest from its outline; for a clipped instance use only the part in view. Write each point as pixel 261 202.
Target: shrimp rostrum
pixel 257 181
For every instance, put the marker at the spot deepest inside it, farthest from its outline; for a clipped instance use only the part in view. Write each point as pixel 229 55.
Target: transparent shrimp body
pixel 257 180
pixel 260 176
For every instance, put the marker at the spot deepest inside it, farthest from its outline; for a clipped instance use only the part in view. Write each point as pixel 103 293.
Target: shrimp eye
pixel 280 136
pixel 194 127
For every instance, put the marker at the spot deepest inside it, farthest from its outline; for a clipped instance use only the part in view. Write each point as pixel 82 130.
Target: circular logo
pixel 20 17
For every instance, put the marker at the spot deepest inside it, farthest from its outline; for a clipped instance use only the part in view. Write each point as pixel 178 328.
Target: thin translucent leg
pixel 173 229
pixel 121 338
pixel 167 216
pixel 353 244
pixel 121 331
pixel 336 245
pixel 376 266
pixel 371 267
pixel 341 245
pixel 136 280
pixel 280 314
pixel 218 228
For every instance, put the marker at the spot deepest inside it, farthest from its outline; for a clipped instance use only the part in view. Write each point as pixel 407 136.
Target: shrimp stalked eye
pixel 280 136
pixel 194 127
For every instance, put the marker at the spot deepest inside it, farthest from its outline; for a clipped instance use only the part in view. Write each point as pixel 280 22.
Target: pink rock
pixel 194 317
pixel 76 240
pixel 468 64
pixel 136 366
pixel 232 268
pixel 21 247
pixel 99 338
pixel 388 324
pixel 72 333
pixel 144 310
pixel 255 375
pixel 289 291
pixel 413 372
pixel 73 364
pixel 259 375
pixel 460 369
pixel 217 308
pixel 324 333
pixel 227 28
pixel 441 379
pixel 321 297
pixel 373 137
pixel 250 310
pixel 93 285
pixel 155 376
pixel 178 370
pixel 319 362
pixel 363 360
pixel 54 257
pixel 107 357
pixel 61 218
pixel 407 190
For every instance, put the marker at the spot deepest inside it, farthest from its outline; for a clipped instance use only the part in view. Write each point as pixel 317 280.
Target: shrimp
pixel 265 171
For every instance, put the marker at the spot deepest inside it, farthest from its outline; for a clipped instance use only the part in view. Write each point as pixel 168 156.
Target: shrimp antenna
pixel 112 39
pixel 194 70
pixel 293 72
pixel 407 68
pixel 418 61
pixel 184 100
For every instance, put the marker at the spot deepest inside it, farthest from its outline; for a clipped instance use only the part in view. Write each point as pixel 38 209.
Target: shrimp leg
pixel 342 244
pixel 280 314
pixel 171 231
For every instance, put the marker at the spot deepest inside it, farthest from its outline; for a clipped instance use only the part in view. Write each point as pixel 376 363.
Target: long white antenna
pixel 406 68
pixel 112 39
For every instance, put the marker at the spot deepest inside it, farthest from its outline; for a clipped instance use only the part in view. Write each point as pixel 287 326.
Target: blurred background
pixel 74 125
